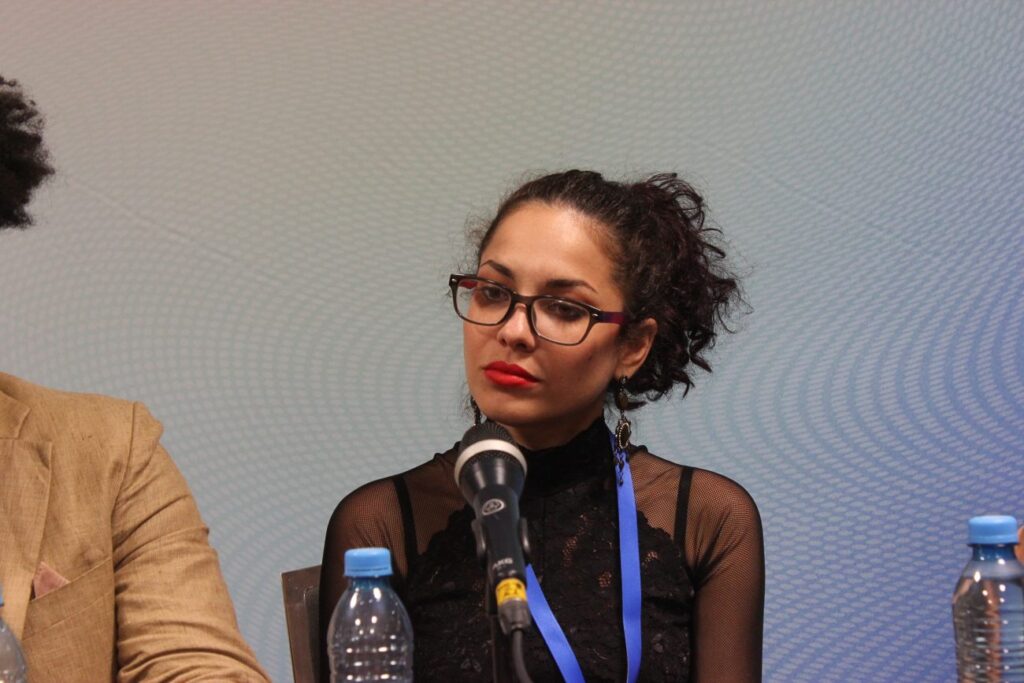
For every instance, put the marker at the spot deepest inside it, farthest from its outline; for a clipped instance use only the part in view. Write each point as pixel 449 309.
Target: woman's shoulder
pixel 374 497
pixel 700 494
pixel 648 466
pixel 720 488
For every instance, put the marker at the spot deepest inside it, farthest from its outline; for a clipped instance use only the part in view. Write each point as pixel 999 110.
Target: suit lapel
pixel 24 496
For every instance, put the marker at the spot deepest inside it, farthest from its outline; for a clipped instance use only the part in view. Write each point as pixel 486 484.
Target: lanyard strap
pixel 552 632
pixel 629 562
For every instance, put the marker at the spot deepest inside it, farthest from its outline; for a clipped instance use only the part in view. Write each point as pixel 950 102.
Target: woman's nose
pixel 516 331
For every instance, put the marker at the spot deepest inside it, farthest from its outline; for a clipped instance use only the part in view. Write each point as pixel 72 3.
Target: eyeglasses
pixel 560 321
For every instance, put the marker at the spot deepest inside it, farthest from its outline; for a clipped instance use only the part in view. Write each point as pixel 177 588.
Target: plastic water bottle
pixel 988 604
pixel 370 637
pixel 12 661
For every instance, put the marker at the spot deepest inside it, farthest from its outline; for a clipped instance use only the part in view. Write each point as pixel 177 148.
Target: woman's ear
pixel 634 350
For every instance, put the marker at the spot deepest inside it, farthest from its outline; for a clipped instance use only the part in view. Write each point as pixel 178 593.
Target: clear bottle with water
pixel 988 605
pixel 370 636
pixel 12 661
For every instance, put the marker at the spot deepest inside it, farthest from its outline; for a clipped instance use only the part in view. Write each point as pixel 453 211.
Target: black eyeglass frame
pixel 515 298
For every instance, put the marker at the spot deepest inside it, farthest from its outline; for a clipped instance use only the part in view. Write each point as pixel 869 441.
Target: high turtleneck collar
pixel 586 456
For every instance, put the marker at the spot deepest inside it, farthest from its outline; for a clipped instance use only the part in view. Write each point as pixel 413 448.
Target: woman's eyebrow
pixel 503 269
pixel 565 283
pixel 554 283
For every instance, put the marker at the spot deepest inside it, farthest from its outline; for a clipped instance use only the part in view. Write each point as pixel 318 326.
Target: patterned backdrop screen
pixel 257 206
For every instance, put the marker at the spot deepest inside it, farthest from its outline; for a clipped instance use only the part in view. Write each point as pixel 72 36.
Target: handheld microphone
pixel 490 471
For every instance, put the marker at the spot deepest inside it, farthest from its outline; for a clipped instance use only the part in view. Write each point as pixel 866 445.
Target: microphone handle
pixel 498 523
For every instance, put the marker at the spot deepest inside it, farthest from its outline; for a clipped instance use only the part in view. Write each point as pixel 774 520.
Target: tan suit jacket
pixel 89 497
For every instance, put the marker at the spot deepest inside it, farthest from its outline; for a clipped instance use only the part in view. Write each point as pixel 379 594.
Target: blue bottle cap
pixel 361 562
pixel 991 530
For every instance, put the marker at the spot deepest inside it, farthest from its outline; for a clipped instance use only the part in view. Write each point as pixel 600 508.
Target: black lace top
pixel 702 563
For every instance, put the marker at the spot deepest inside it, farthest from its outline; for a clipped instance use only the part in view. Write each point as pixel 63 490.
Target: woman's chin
pixel 511 417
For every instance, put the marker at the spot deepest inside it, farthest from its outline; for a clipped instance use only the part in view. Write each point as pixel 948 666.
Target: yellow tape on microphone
pixel 510 589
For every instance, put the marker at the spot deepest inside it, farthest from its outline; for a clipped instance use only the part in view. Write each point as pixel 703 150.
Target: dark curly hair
pixel 667 263
pixel 24 162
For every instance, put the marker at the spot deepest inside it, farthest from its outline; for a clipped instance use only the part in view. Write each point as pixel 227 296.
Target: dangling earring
pixel 624 429
pixel 477 415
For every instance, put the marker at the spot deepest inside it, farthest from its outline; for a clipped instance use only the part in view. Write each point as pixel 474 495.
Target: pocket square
pixel 46 579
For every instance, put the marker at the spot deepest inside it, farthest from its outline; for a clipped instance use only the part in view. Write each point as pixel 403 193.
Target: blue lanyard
pixel 629 561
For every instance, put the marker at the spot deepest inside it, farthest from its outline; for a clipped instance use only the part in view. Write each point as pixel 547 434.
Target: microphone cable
pixel 517 657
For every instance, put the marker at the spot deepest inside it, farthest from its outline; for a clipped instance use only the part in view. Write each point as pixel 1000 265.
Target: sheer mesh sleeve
pixel 369 516
pixel 724 547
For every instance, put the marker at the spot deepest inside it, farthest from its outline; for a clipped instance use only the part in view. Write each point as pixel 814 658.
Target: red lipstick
pixel 509 375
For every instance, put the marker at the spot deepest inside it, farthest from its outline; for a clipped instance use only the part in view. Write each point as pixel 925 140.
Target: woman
pixel 586 292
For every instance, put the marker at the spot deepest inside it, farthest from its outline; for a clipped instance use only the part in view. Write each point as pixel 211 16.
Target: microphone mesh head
pixel 488 437
pixel 486 430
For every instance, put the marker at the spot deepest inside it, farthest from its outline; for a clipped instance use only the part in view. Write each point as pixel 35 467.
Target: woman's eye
pixel 491 294
pixel 563 310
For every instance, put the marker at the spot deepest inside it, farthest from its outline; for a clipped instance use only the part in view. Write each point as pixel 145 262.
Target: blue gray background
pixel 257 205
